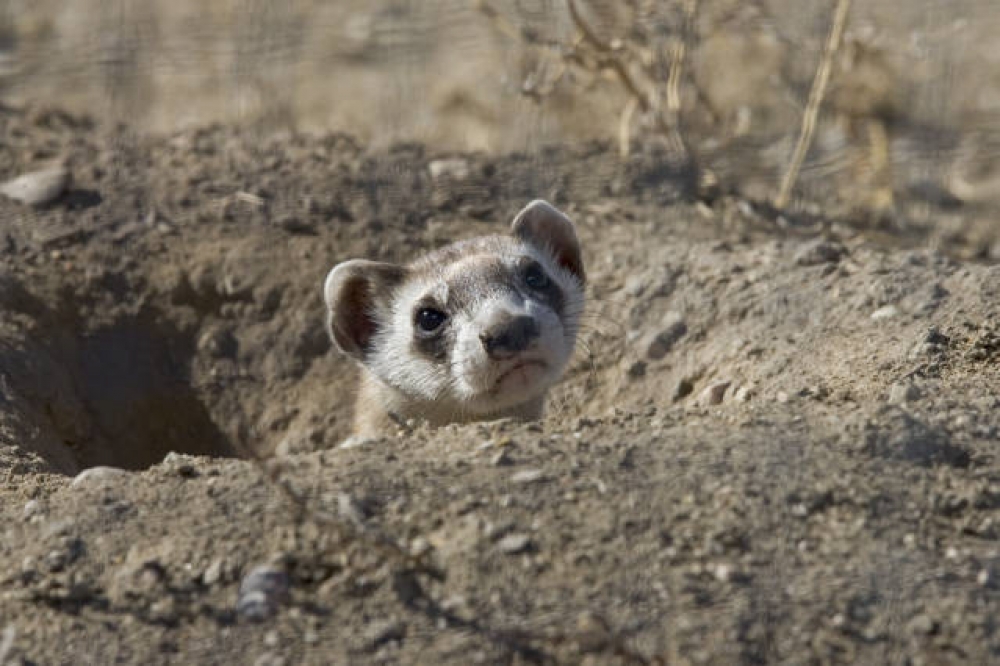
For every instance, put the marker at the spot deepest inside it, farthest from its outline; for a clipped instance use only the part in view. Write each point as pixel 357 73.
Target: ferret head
pixel 472 329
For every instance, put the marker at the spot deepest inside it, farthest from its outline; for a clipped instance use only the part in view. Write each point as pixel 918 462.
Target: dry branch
pixel 643 95
pixel 811 113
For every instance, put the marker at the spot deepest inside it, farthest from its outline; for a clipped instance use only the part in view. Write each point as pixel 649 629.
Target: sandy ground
pixel 778 443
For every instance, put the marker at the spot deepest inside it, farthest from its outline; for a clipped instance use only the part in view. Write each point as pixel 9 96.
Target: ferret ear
pixel 353 291
pixel 545 226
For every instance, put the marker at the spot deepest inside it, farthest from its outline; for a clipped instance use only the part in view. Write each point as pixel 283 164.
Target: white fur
pixel 467 383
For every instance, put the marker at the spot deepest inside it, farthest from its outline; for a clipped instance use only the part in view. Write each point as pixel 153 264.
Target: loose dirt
pixel 778 443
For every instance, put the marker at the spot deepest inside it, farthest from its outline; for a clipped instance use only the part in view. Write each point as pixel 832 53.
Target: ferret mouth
pixel 525 364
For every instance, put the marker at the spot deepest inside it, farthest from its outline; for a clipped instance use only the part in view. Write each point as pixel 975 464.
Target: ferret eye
pixel 535 277
pixel 429 319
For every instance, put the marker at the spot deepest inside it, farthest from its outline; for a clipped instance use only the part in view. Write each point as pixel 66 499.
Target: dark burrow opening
pixel 120 394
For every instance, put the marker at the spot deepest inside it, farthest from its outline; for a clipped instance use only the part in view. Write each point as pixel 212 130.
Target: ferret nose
pixel 509 336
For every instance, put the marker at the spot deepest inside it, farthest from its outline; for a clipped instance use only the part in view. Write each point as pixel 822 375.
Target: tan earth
pixel 778 442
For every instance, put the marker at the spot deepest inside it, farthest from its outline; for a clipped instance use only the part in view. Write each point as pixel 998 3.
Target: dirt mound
pixel 777 443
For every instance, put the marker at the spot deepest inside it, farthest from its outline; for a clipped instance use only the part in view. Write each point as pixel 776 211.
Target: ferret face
pixel 472 329
pixel 484 330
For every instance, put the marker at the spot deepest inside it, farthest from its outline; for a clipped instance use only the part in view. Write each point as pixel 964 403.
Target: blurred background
pixel 907 136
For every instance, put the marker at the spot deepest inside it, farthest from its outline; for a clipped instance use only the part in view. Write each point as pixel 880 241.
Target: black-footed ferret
pixel 476 330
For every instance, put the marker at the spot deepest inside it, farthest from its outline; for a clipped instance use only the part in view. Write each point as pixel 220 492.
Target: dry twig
pixel 811 112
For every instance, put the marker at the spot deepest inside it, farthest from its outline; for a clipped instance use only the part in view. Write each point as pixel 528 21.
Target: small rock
pixel 514 543
pixel 7 643
pixel 37 188
pixel 262 591
pixel 501 459
pixel 181 464
pixel 454 168
pixel 381 632
pixel 743 394
pixel 922 624
pixel 295 225
pixel 218 342
pixel 935 337
pixel 635 284
pixel 95 476
pixel 820 252
pixel 528 476
pixel 68 551
pixel 31 509
pixel 683 389
pixel 985 578
pixel 903 392
pixel 213 574
pixel 713 393
pixel 350 509
pixel 782 397
pixel 661 342
pixel 636 370
pixel 886 312
pixel 592 633
pixel 722 572
pixel 494 531
pixel 356 441
pixel 163 610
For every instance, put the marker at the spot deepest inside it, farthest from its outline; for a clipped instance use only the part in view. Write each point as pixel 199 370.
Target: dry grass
pixel 811 112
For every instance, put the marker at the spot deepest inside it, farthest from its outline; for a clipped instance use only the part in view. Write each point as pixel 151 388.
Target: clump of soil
pixel 777 443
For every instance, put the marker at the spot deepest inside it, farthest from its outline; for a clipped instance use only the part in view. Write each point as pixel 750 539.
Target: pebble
pixel 903 392
pixel 501 459
pixel 922 624
pixel 356 441
pixel 94 476
pixel 31 509
pixel 683 389
pixel 528 476
pixel 262 591
pixel 163 610
pixel 381 632
pixel 722 572
pixel 68 551
pixel 455 168
pixel 819 252
pixel 592 634
pixel 636 370
pixel 181 464
pixel 886 312
pixel 661 342
pixel 213 574
pixel 743 394
pixel 350 509
pixel 7 642
pixel 514 543
pixel 713 393
pixel 37 188
pixel 218 342
pixel 635 285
